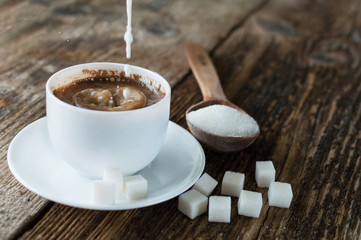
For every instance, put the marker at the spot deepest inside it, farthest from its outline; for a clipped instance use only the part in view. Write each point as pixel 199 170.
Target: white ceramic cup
pixel 91 140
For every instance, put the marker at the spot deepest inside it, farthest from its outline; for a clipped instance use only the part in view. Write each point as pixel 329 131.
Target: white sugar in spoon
pixel 208 81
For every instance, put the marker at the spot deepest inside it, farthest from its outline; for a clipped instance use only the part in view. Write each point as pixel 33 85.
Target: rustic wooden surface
pixel 293 65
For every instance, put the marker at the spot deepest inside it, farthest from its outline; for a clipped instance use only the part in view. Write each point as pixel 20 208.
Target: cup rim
pixel 163 82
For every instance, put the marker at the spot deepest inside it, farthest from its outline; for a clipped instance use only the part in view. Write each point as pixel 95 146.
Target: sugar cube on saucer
pixel 265 173
pixel 103 192
pixel 232 183
pixel 250 203
pixel 280 194
pixel 219 209
pixel 192 203
pixel 205 184
pixel 115 175
pixel 135 187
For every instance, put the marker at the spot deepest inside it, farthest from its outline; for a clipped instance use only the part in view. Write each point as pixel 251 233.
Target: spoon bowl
pixel 213 94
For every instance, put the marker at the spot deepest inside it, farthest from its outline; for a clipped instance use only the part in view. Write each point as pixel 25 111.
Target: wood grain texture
pixel 293 65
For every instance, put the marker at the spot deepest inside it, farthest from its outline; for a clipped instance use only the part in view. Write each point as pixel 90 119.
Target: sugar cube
pixel 192 203
pixel 280 194
pixel 205 184
pixel 265 173
pixel 232 183
pixel 219 209
pixel 115 175
pixel 103 192
pixel 135 187
pixel 249 203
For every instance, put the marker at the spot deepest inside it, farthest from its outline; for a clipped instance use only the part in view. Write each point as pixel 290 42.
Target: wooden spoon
pixel 208 81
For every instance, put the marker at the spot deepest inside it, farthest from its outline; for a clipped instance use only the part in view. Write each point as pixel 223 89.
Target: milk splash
pixel 128 37
pixel 127 70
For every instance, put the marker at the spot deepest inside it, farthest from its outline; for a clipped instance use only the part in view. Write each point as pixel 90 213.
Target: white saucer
pixel 34 163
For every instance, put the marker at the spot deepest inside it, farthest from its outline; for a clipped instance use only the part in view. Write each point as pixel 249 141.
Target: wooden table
pixel 293 65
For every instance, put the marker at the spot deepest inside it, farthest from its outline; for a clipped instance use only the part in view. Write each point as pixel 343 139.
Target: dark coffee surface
pixel 111 93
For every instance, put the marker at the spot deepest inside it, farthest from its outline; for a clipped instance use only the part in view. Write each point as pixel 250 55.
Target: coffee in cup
pixel 90 132
pixel 109 93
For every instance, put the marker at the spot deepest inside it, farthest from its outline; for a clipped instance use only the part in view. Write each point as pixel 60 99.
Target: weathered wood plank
pixel 40 37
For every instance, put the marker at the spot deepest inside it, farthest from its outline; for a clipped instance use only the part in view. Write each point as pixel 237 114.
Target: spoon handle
pixel 205 72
